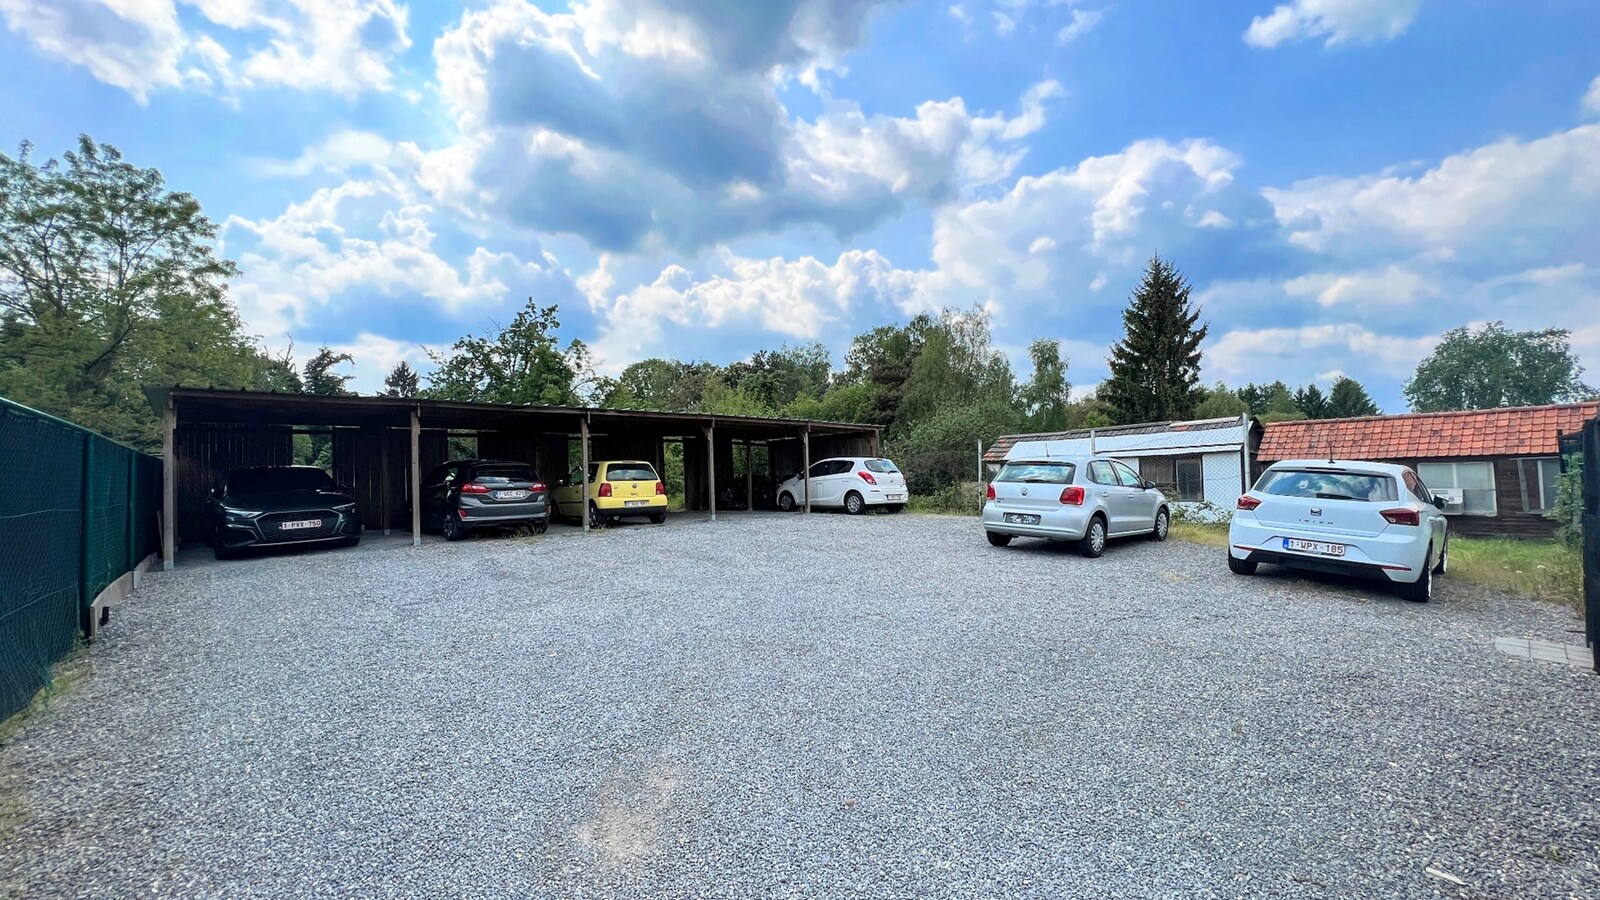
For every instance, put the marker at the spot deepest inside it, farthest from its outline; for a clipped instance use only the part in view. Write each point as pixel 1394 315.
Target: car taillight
pixel 1072 496
pixel 536 488
pixel 661 489
pixel 605 488
pixel 472 487
pixel 989 494
pixel 1247 502
pixel 867 477
pixel 1402 516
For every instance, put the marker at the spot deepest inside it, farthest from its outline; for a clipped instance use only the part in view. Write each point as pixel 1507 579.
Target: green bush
pixel 957 498
pixel 1568 511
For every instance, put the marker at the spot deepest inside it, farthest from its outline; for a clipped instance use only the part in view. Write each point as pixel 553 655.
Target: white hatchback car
pixel 851 483
pixel 1353 518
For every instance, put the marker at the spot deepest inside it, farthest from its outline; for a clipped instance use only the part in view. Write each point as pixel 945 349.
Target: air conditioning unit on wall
pixel 1455 500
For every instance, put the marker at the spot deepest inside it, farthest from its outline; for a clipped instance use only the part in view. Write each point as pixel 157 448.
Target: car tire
pixel 998 540
pixel 1443 565
pixel 1421 590
pixel 1163 525
pixel 541 526
pixel 1241 566
pixel 452 528
pixel 596 520
pixel 658 518
pixel 350 542
pixel 1094 538
pixel 854 504
pixel 786 502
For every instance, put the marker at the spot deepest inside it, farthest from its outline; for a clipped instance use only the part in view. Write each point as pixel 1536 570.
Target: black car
pixel 275 506
pixel 472 493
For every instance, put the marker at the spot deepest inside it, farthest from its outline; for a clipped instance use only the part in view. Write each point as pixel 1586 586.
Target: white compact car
pixel 1353 518
pixel 851 483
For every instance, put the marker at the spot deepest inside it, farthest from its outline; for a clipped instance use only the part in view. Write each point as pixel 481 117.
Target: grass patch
pixel 1545 570
pixel 1200 533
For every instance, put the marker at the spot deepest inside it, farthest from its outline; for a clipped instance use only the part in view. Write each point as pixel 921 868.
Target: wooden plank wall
pixel 1513 518
pixel 203 455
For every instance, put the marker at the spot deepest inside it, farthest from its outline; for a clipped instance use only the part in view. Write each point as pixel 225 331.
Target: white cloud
pixel 1591 99
pixel 560 117
pixel 1299 354
pixel 374 356
pixel 800 298
pixel 142 46
pixel 1083 22
pixel 339 152
pixel 1378 289
pixel 1339 21
pixel 1510 201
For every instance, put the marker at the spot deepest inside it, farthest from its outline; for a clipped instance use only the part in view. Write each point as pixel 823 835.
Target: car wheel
pixel 452 528
pixel 350 542
pixel 853 504
pixel 1094 538
pixel 1443 565
pixel 1163 525
pixel 998 540
pixel 786 502
pixel 1421 590
pixel 1241 566
pixel 541 526
pixel 658 518
pixel 596 520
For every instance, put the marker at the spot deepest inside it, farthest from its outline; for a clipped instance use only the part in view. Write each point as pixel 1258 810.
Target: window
pixel 1539 480
pixel 1100 472
pixel 1191 479
pixel 1328 485
pixel 630 472
pixel 1126 477
pixel 1179 477
pixel 1475 480
pixel 1417 488
pixel 881 466
pixel 267 481
pixel 1037 472
pixel 503 473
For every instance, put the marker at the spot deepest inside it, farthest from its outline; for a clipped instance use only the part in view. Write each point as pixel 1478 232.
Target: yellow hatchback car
pixel 617 490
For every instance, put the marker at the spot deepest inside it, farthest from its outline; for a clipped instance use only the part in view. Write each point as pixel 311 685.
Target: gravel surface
pixel 792 706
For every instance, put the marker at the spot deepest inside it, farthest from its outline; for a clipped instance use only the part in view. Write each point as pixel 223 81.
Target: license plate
pixel 511 495
pixel 896 497
pixel 303 523
pixel 636 503
pixel 1320 547
pixel 1021 519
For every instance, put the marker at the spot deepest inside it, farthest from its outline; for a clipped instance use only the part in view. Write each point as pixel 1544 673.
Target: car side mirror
pixel 216 493
pixel 1149 485
pixel 1440 502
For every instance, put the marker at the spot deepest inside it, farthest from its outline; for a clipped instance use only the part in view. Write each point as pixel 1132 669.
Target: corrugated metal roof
pixel 1126 438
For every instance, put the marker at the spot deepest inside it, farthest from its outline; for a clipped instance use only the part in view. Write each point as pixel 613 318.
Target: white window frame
pixel 1528 469
pixel 1454 481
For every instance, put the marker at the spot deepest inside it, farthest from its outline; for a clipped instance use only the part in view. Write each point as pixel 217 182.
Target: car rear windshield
pixel 1317 485
pixel 266 481
pixel 881 466
pixel 503 474
pixel 1038 472
pixel 630 472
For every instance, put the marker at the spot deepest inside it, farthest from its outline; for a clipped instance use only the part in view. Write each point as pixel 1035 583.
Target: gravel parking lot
pixel 817 706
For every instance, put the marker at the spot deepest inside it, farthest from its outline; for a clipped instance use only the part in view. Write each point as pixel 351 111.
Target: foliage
pixel 108 284
pixel 1311 402
pixel 1045 396
pixel 842 403
pixel 883 358
pixel 957 364
pixel 1155 368
pixel 402 381
pixel 942 449
pixel 1496 367
pixel 1349 399
pixel 1281 406
pixel 320 377
pixel 776 378
pixel 1543 570
pixel 960 499
pixel 522 364
pixel 1568 509
pixel 1203 513
pixel 1220 403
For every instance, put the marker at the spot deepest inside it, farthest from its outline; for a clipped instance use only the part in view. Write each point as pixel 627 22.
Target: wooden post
pixel 169 483
pixel 583 455
pixel 805 461
pixel 873 442
pixel 711 468
pixel 749 477
pixel 416 476
pixel 384 481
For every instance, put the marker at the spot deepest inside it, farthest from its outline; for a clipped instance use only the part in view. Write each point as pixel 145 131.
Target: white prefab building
pixel 1195 463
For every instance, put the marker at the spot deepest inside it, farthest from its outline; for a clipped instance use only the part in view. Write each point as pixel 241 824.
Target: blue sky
pixel 1341 180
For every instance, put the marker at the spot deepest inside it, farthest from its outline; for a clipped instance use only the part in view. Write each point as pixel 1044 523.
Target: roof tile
pixel 1527 431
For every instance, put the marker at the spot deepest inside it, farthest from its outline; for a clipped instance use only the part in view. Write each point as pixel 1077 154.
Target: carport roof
pixel 194 406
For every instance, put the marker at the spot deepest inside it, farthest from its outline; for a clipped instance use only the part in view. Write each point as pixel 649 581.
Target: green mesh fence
pixel 77 511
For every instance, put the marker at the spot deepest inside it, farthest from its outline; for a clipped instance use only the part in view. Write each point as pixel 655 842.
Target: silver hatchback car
pixel 1087 500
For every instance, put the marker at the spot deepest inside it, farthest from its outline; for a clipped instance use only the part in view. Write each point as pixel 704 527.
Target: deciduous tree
pixel 1495 366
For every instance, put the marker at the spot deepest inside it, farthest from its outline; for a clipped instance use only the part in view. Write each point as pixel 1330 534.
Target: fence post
pixel 982 494
pixel 131 521
pixel 83 540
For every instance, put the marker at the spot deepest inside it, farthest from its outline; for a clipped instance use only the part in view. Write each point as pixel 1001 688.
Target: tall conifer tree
pixel 1155 368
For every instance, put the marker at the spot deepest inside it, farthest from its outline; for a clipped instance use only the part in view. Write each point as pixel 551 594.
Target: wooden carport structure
pixel 382 446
